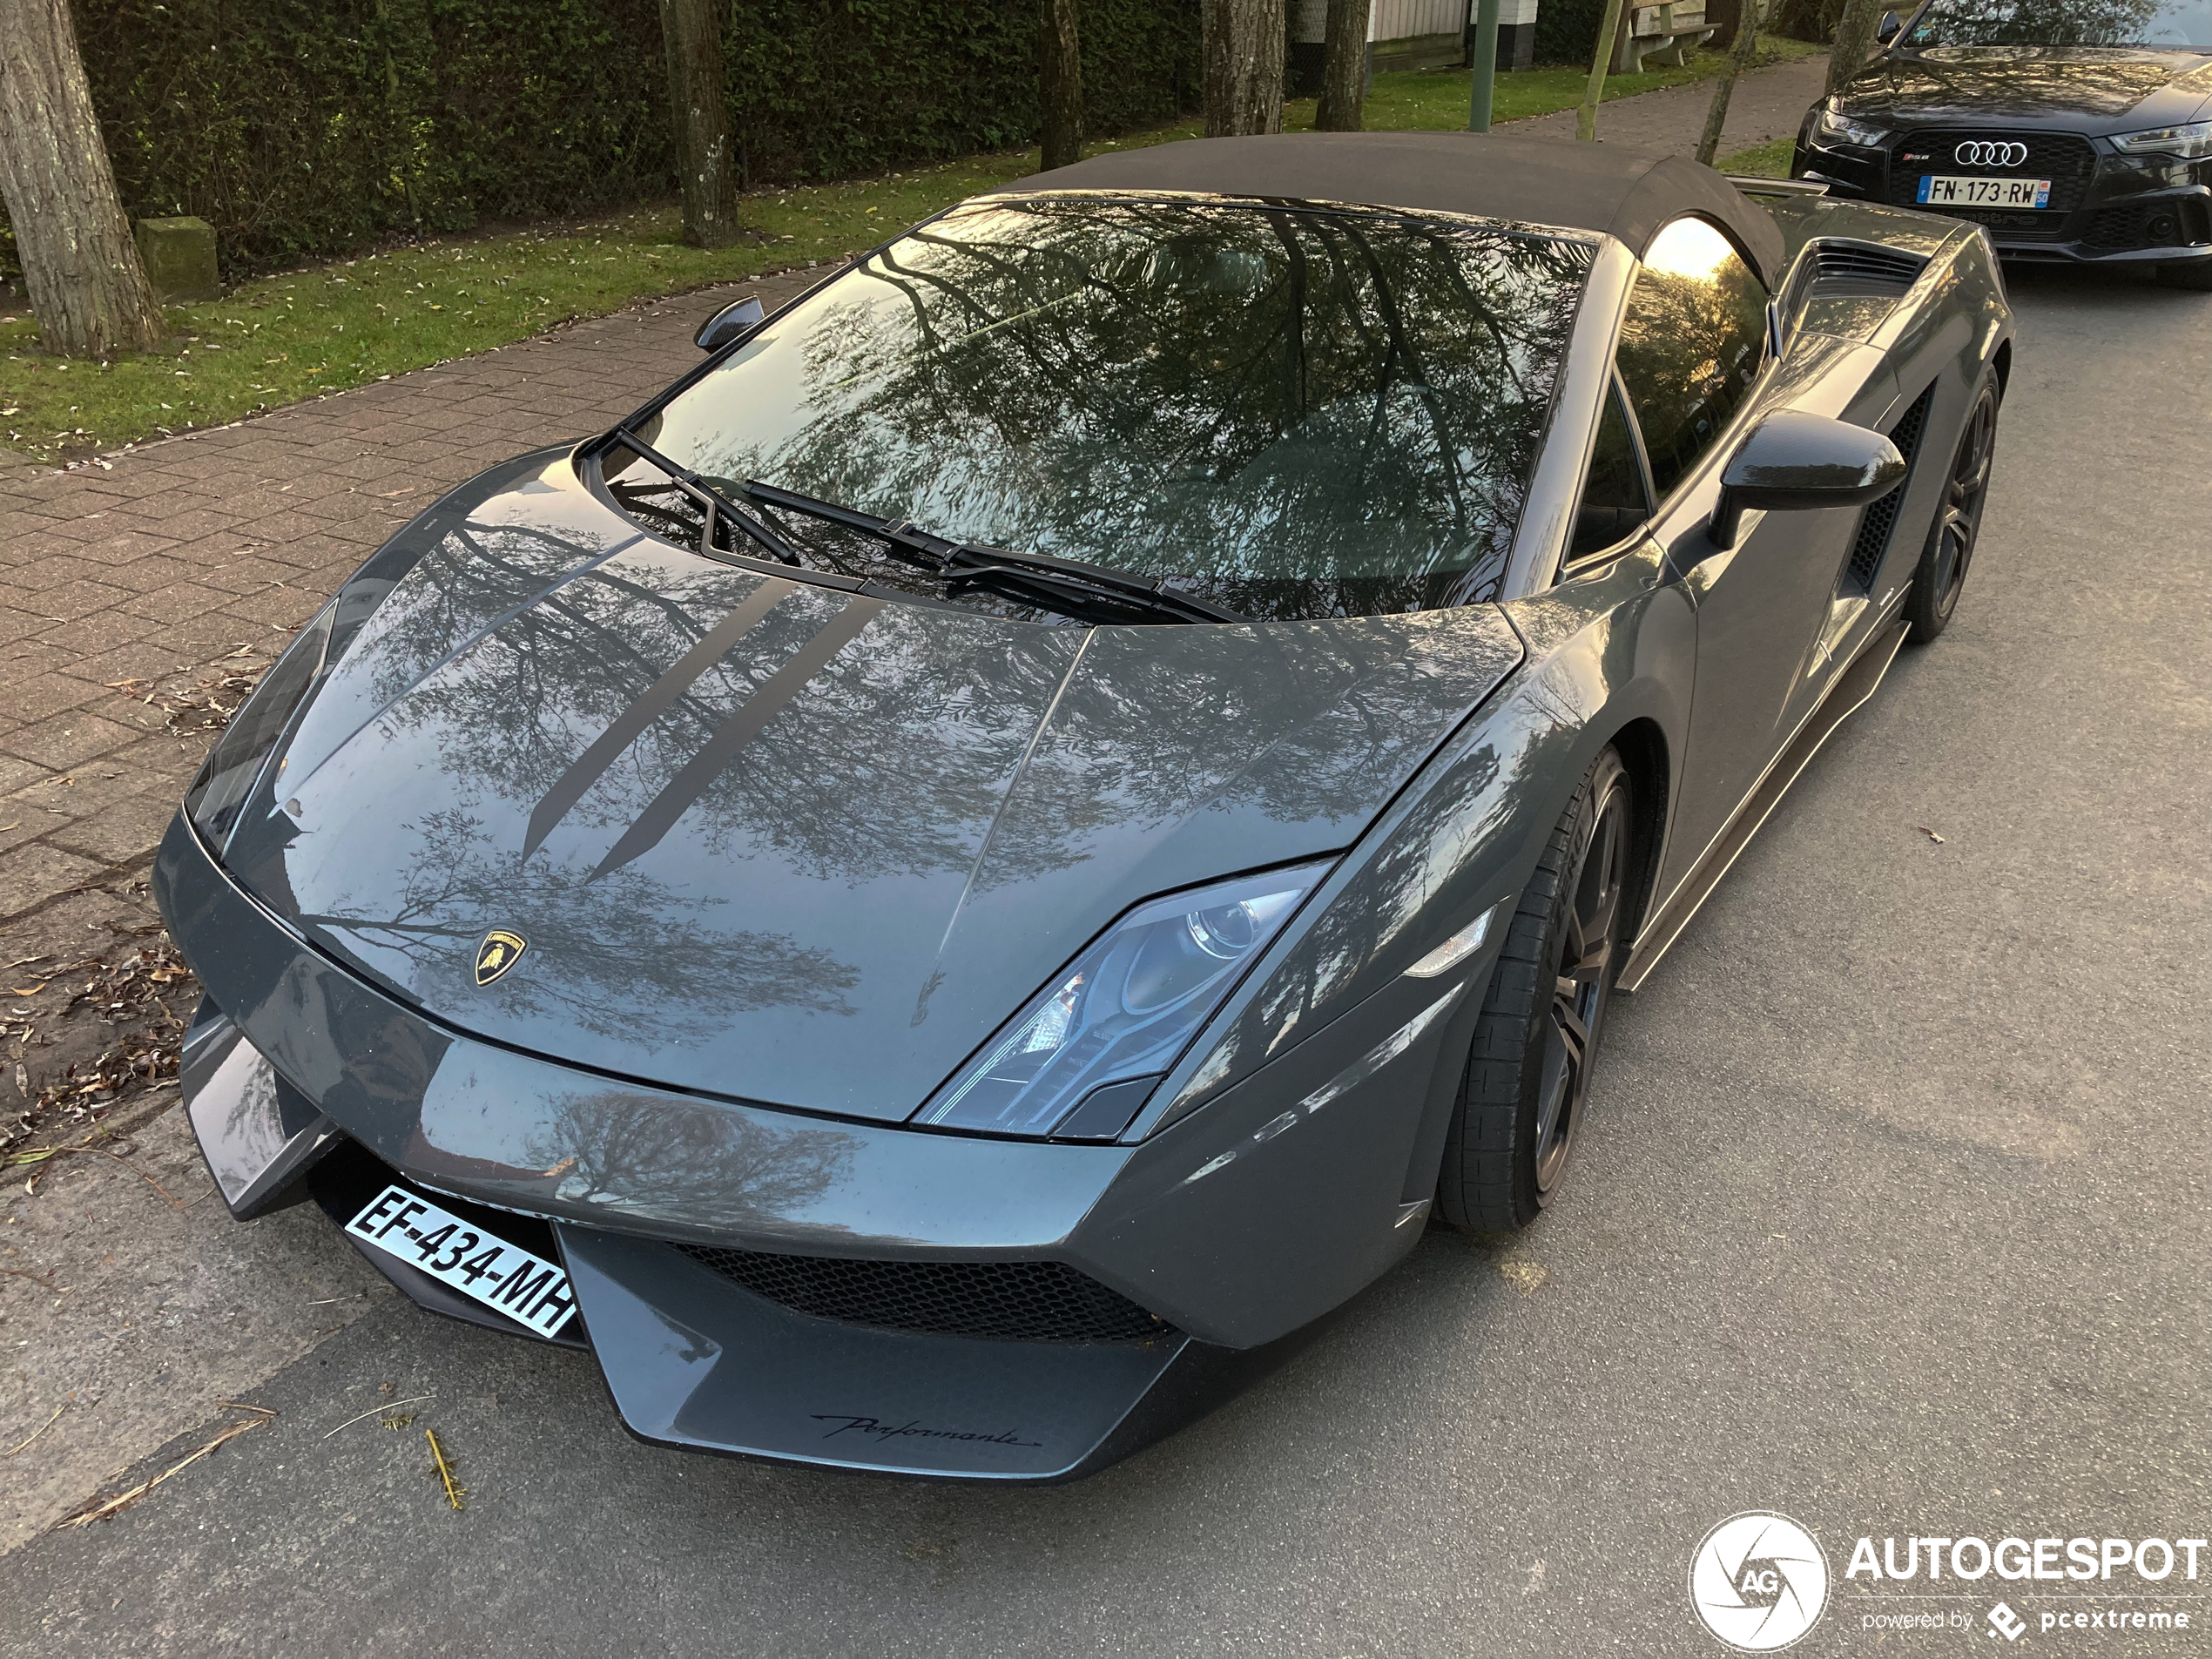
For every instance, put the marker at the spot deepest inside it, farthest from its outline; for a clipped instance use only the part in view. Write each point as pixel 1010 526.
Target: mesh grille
pixel 1010 1301
pixel 2067 159
pixel 2164 224
pixel 1881 518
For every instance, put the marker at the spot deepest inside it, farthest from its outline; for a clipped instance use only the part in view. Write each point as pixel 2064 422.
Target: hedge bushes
pixel 306 128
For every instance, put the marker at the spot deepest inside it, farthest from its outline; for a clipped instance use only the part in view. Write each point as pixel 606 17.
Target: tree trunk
pixel 1608 36
pixel 1747 43
pixel 88 289
pixel 1061 83
pixel 1244 67
pixel 1344 67
pixel 692 32
pixel 1854 41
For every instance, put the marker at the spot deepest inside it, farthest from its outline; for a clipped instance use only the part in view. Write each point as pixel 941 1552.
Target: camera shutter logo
pixel 1979 153
pixel 1758 1581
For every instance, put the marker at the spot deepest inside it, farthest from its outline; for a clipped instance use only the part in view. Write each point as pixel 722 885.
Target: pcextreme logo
pixel 1758 1581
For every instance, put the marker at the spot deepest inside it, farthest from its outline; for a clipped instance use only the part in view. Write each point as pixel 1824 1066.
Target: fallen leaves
pixel 133 990
pixel 1931 834
pixel 377 1409
pixel 121 1501
pixel 42 1154
pixel 205 707
pixel 41 1429
pixel 443 1469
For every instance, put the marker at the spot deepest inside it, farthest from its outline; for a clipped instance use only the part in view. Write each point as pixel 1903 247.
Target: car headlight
pixel 1831 126
pixel 1079 1059
pixel 235 763
pixel 2192 140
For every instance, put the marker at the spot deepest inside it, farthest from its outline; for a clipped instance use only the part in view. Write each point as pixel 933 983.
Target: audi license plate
pixel 1943 190
pixel 496 1273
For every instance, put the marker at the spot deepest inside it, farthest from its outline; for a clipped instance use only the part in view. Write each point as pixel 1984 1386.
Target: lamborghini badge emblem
pixel 499 952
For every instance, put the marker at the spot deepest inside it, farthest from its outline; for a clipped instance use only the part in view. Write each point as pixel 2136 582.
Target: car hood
pixel 2092 89
pixel 769 840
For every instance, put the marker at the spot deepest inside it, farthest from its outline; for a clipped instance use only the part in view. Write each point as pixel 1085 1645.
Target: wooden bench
pixel 1661 34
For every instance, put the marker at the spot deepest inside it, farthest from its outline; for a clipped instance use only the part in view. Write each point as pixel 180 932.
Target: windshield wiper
pixel 711 502
pixel 1060 581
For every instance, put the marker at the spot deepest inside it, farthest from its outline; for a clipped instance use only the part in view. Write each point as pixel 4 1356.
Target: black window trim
pixel 1571 565
pixel 1731 434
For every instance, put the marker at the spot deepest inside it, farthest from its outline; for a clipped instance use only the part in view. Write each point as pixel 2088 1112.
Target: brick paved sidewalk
pixel 1767 103
pixel 204 552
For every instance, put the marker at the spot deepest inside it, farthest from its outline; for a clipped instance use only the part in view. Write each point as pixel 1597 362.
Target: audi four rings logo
pixel 1990 154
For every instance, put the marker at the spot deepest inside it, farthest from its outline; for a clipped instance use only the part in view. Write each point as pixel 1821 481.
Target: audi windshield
pixel 1290 412
pixel 2172 25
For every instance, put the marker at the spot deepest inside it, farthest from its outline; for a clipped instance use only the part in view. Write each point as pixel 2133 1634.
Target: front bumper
pixel 2110 208
pixel 1236 1235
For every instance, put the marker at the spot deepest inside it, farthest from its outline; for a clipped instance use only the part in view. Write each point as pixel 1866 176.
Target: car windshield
pixel 1290 412
pixel 2182 24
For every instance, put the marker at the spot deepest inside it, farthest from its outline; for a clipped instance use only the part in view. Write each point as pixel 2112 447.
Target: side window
pixel 1691 345
pixel 1614 500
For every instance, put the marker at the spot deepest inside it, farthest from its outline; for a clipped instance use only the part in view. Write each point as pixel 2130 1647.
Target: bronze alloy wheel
pixel 1522 1097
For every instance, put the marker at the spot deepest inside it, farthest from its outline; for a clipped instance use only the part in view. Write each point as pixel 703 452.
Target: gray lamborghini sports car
pixel 942 894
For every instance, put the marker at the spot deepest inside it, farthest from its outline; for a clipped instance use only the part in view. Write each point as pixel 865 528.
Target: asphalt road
pixel 1891 1215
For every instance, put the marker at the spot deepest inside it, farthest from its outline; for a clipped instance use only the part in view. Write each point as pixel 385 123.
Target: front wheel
pixel 1950 549
pixel 1528 1076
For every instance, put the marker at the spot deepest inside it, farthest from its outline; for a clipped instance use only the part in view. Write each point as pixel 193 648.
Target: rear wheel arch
pixel 2002 362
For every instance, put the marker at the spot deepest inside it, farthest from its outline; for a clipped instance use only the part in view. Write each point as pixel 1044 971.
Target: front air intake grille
pixel 2160 224
pixel 1006 1301
pixel 1880 519
pixel 1852 269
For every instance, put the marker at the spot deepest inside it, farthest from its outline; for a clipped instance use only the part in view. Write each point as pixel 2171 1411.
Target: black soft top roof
pixel 1617 189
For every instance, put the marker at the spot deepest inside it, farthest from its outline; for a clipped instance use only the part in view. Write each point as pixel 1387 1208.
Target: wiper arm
pixel 711 501
pixel 964 562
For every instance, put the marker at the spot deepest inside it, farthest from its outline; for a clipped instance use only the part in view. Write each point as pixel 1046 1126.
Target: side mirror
pixel 1793 461
pixel 1889 28
pixel 728 323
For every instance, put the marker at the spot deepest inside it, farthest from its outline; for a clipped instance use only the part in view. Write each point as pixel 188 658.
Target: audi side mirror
pixel 1793 462
pixel 1889 28
pixel 728 323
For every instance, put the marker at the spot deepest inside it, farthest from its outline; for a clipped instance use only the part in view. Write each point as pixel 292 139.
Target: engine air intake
pixel 1856 269
pixel 1880 519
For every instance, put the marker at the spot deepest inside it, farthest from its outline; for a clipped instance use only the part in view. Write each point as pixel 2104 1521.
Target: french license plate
pixel 496 1273
pixel 1941 190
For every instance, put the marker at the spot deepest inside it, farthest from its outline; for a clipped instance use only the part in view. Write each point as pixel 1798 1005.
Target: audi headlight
pixel 235 763
pixel 1831 126
pixel 2192 141
pixel 1077 1062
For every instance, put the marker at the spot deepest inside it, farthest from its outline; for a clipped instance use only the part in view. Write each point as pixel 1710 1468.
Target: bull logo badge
pixel 499 952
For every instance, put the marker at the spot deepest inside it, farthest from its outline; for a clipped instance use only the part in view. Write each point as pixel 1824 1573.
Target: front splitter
pixel 694 1361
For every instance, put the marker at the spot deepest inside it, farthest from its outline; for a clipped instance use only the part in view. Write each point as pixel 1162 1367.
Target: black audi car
pixel 2076 130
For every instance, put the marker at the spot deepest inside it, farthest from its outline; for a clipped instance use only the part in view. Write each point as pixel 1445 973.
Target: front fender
pixel 1605 651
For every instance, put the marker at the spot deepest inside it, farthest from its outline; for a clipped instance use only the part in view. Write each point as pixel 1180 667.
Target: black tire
pixel 1950 547
pixel 2197 275
pixel 1527 1073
